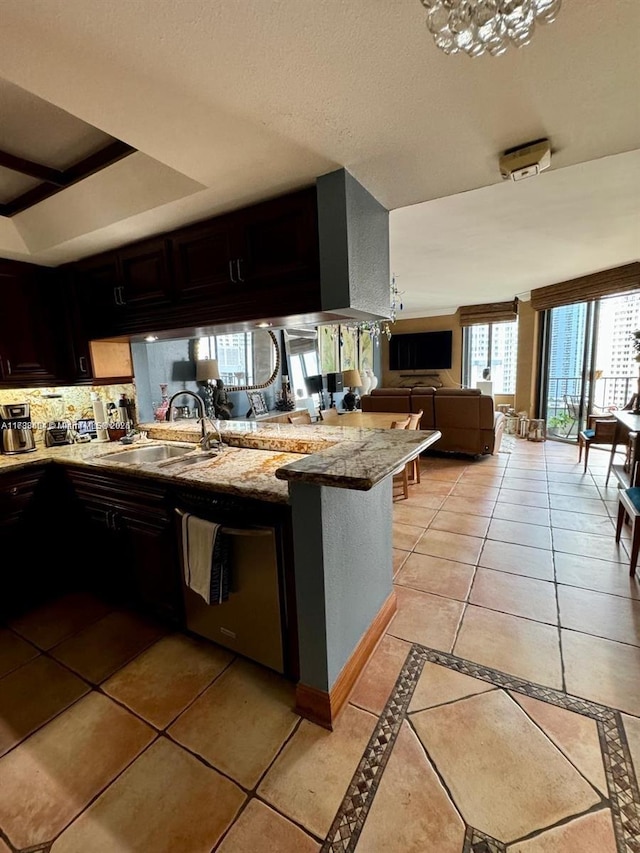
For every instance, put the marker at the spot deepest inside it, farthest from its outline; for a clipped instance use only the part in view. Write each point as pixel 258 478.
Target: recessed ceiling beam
pixel 113 152
pixel 33 170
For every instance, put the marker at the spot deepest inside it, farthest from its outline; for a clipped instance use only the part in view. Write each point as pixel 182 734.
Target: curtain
pixel 492 312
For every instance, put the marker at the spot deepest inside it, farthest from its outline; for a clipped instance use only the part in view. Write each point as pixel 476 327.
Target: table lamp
pixel 207 372
pixel 351 380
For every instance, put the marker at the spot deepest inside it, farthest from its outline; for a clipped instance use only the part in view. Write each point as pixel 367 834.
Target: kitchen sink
pixel 150 453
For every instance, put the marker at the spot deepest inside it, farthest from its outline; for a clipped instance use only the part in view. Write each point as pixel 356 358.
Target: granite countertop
pixel 342 457
pixel 260 458
pixel 237 471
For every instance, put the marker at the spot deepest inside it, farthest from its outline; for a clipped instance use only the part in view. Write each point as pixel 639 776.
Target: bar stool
pixel 629 504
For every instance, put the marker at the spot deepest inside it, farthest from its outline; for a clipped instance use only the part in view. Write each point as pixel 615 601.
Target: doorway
pixel 588 362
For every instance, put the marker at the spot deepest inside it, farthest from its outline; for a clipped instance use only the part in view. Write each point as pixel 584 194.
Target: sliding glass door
pixel 588 363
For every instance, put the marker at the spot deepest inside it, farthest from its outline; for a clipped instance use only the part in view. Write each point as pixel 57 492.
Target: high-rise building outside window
pixel 492 345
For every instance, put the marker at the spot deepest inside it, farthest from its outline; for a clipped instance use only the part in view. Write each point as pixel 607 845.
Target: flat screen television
pixel 421 351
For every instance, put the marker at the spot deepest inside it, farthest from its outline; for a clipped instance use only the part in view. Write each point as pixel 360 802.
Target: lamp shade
pixel 352 378
pixel 207 369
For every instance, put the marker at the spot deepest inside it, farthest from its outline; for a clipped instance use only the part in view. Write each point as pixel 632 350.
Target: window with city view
pixel 234 353
pixel 492 345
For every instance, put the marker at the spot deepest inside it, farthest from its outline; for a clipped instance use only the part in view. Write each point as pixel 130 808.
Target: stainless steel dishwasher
pixel 249 622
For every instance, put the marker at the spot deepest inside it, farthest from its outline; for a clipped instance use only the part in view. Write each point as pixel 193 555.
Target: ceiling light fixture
pixel 263 325
pixel 151 339
pixel 486 26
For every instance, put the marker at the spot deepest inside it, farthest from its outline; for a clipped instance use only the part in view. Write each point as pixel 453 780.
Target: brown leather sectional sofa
pixel 465 417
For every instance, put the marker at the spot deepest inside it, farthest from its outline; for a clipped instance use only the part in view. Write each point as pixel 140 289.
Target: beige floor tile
pixel 579 478
pixel 510 644
pixel 602 670
pixel 14 651
pixel 609 616
pixel 573 490
pixel 447 475
pixel 489 736
pixel 599 525
pixel 473 479
pixel 48 780
pixel 468 506
pixel 589 545
pixel 102 648
pixel 32 695
pixel 599 575
pixel 418 516
pixel 438 685
pixel 379 677
pixel 585 506
pixel 423 499
pixel 405 536
pixel 451 546
pixel 311 775
pixel 165 801
pixel 426 619
pixel 520 498
pixel 632 730
pixel 520 534
pixel 411 811
pixel 521 484
pixel 259 826
pixel 468 490
pixel 521 596
pixel 431 486
pixel 573 734
pixel 436 575
pixel 240 722
pixel 592 833
pixel 517 559
pixel 524 514
pixel 160 683
pixel 399 558
pixel 525 473
pixel 50 624
pixel 455 522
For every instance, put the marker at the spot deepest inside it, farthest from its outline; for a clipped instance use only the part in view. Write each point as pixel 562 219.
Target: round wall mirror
pixel 246 360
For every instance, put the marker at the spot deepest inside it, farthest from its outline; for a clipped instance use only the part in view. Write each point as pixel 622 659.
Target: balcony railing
pixel 609 392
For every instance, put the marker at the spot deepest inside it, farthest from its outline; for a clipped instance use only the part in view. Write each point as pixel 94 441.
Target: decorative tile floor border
pixel 624 797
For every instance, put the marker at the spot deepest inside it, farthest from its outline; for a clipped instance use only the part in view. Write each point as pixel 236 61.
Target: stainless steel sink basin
pixel 150 453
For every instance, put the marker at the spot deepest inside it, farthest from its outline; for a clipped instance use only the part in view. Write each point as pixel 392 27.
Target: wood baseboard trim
pixel 321 706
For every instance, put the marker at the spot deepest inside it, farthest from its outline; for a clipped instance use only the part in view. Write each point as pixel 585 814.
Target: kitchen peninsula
pixel 333 485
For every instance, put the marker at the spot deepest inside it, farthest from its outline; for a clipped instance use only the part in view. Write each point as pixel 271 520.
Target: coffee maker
pixel 16 434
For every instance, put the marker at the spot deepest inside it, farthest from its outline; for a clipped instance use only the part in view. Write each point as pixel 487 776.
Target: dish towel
pixel 205 551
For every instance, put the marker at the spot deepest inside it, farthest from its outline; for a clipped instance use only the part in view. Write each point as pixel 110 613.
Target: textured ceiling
pixel 249 99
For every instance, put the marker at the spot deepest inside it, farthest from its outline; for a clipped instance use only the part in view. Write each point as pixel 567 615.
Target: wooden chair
pixel 301 418
pixel 629 504
pixel 600 431
pixel 414 423
pixel 403 471
pixel 572 405
pixel 329 416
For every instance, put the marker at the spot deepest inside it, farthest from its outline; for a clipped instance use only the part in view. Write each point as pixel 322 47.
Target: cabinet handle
pixel 116 295
pixel 122 299
pixel 13 492
pixel 231 272
pixel 82 364
pixel 8 366
pixel 238 262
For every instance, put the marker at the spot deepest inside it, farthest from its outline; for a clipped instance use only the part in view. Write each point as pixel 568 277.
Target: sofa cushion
pixel 458 392
pixel 391 392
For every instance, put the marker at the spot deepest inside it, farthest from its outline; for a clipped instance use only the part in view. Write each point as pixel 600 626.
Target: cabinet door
pixel 204 261
pixel 280 240
pixel 144 275
pixel 30 323
pixel 153 561
pixel 99 295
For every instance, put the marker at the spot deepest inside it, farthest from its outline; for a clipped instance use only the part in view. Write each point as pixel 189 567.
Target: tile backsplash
pixel 70 403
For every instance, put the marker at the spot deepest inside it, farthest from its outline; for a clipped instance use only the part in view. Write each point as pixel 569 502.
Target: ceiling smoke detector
pixel 525 161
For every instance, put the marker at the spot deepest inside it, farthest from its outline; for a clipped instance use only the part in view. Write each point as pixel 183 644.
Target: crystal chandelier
pixel 486 26
pixel 376 328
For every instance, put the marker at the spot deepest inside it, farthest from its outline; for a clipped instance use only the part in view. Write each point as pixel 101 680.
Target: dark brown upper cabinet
pixel 31 325
pixel 204 260
pixel 144 275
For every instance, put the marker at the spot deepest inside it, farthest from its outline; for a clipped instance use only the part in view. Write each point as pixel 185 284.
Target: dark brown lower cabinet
pixel 127 531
